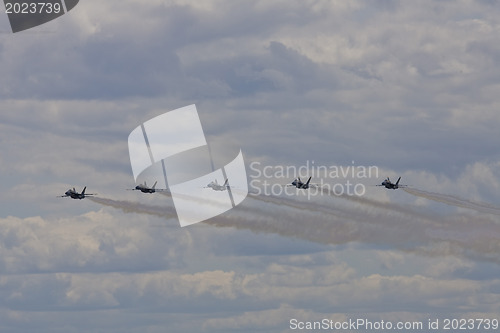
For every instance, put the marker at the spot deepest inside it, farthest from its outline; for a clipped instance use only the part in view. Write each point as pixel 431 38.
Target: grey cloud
pixel 409 87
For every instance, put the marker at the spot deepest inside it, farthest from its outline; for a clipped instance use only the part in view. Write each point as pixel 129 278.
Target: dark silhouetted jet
pixel 73 194
pixel 388 184
pixel 145 189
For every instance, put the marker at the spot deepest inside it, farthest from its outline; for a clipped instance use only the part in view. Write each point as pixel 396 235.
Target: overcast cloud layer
pixel 410 88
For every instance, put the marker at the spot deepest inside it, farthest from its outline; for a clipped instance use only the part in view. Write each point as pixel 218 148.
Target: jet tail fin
pixel 225 183
pixel 154 184
pixel 83 192
pixel 308 180
pixel 398 181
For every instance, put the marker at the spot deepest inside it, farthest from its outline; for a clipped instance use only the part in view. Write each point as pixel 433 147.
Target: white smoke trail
pixel 360 221
pixel 285 216
pixel 315 203
pixel 455 201
pixel 378 204
pixel 134 207
pixel 438 236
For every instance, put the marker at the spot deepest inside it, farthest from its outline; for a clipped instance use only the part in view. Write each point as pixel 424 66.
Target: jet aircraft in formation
pixel 301 185
pixel 144 188
pixel 214 185
pixel 392 186
pixel 73 194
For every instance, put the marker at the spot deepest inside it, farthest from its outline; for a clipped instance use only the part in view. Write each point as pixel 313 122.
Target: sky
pixel 409 88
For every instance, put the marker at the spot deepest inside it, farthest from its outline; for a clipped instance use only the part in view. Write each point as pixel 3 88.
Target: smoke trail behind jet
pixel 364 224
pixel 455 201
pixel 134 207
pixel 351 221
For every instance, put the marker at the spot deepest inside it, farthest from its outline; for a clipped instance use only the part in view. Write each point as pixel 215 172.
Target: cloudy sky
pixel 411 88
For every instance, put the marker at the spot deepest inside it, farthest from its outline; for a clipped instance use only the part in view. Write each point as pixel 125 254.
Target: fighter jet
pixel 300 184
pixel 389 185
pixel 145 189
pixel 73 194
pixel 216 187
